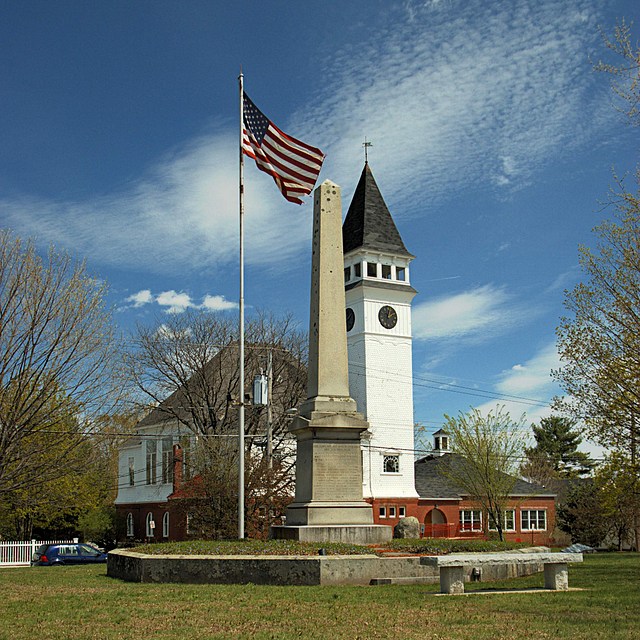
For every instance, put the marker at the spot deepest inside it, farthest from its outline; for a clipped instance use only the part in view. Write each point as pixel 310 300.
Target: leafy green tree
pixel 59 359
pixel 599 339
pixel 78 503
pixel 488 448
pixel 555 454
pixel 620 496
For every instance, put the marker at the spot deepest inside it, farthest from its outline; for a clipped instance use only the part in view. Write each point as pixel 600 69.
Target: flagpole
pixel 241 330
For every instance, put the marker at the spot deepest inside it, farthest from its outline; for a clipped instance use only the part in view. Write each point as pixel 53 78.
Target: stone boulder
pixel 407 528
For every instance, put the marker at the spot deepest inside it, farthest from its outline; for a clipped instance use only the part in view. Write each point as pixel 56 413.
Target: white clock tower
pixel 378 300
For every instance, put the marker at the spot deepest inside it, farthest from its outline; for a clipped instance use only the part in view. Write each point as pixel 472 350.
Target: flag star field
pixel 493 141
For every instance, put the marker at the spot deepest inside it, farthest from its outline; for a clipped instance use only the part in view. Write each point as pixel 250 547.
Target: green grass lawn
pixel 83 603
pixel 422 546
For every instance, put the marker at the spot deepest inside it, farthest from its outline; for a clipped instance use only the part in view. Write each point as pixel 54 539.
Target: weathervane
pixel 366 146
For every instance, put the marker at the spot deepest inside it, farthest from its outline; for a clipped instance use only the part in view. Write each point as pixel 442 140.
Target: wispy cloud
pixel 529 381
pixel 473 93
pixel 532 378
pixel 183 214
pixel 477 314
pixel 470 93
pixel 177 302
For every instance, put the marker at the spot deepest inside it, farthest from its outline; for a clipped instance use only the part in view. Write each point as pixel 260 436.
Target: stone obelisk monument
pixel 328 504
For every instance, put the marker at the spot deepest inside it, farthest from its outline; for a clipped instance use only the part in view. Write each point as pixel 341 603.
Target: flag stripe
pixel 300 148
pixel 294 165
pixel 286 188
pixel 271 164
pixel 283 153
pixel 284 165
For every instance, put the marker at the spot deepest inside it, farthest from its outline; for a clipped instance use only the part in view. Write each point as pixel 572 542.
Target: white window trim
pixel 150 525
pixel 472 527
pixel 165 525
pixel 504 524
pixel 131 470
pixel 390 455
pixel 536 528
pixel 382 511
pixel 131 532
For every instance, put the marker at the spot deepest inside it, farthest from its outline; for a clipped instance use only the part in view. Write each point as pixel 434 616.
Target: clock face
pixel 351 318
pixel 388 317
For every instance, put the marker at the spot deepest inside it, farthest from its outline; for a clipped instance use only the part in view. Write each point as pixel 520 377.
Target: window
pixel 190 529
pixel 167 461
pixel 68 550
pixel 186 458
pixel 391 464
pixel 392 512
pixel 470 520
pixel 402 512
pixel 152 459
pixel 357 270
pixel 165 525
pixel 386 271
pixel 347 274
pixel 151 525
pixel 132 471
pixel 383 512
pixel 509 522
pixel 400 273
pixel 87 551
pixel 130 528
pixel 533 520
pixel 372 269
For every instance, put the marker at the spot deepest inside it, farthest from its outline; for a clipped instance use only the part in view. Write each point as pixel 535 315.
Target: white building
pixel 378 295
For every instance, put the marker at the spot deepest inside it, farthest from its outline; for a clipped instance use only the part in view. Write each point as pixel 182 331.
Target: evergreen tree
pixel 556 450
pixel 581 515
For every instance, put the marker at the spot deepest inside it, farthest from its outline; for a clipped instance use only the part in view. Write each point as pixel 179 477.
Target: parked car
pixel 67 553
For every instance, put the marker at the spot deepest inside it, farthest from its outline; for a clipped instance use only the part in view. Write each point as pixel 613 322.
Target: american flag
pixel 293 164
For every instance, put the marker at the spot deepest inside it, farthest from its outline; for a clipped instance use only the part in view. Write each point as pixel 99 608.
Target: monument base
pixel 350 534
pixel 319 514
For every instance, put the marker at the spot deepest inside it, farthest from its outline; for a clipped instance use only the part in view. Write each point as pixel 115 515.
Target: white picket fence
pixel 19 553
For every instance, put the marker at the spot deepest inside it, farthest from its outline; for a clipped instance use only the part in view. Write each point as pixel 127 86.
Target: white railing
pixel 19 553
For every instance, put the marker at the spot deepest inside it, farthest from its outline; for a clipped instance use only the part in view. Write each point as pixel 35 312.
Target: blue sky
pixel 493 145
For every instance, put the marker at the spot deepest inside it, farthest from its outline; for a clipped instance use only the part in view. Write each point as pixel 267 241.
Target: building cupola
pixel 441 442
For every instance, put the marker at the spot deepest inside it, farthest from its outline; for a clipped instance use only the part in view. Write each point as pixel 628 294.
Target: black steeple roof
pixel 369 224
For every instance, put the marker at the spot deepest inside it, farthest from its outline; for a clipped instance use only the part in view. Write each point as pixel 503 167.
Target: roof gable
pixel 432 481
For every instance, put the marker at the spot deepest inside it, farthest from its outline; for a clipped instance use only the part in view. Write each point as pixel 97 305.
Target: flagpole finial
pixel 366 144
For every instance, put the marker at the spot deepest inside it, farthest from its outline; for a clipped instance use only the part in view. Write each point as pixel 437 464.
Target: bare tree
pixel 624 69
pixel 189 367
pixel 58 361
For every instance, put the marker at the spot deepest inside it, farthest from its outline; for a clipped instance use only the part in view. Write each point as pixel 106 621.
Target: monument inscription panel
pixel 337 472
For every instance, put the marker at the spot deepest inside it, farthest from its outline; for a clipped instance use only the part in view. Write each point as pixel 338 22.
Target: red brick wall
pixel 451 511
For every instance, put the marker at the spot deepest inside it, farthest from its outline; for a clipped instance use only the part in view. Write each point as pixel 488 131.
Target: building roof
pixel 368 224
pixel 207 401
pixel 433 482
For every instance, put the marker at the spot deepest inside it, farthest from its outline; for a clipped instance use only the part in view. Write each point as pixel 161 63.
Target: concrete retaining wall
pixel 284 570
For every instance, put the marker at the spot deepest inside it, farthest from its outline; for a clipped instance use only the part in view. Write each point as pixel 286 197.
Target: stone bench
pixel 452 567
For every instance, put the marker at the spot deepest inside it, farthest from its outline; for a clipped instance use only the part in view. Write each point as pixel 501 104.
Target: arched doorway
pixel 435 524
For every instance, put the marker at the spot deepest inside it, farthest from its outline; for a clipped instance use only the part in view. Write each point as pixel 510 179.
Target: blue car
pixel 67 553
